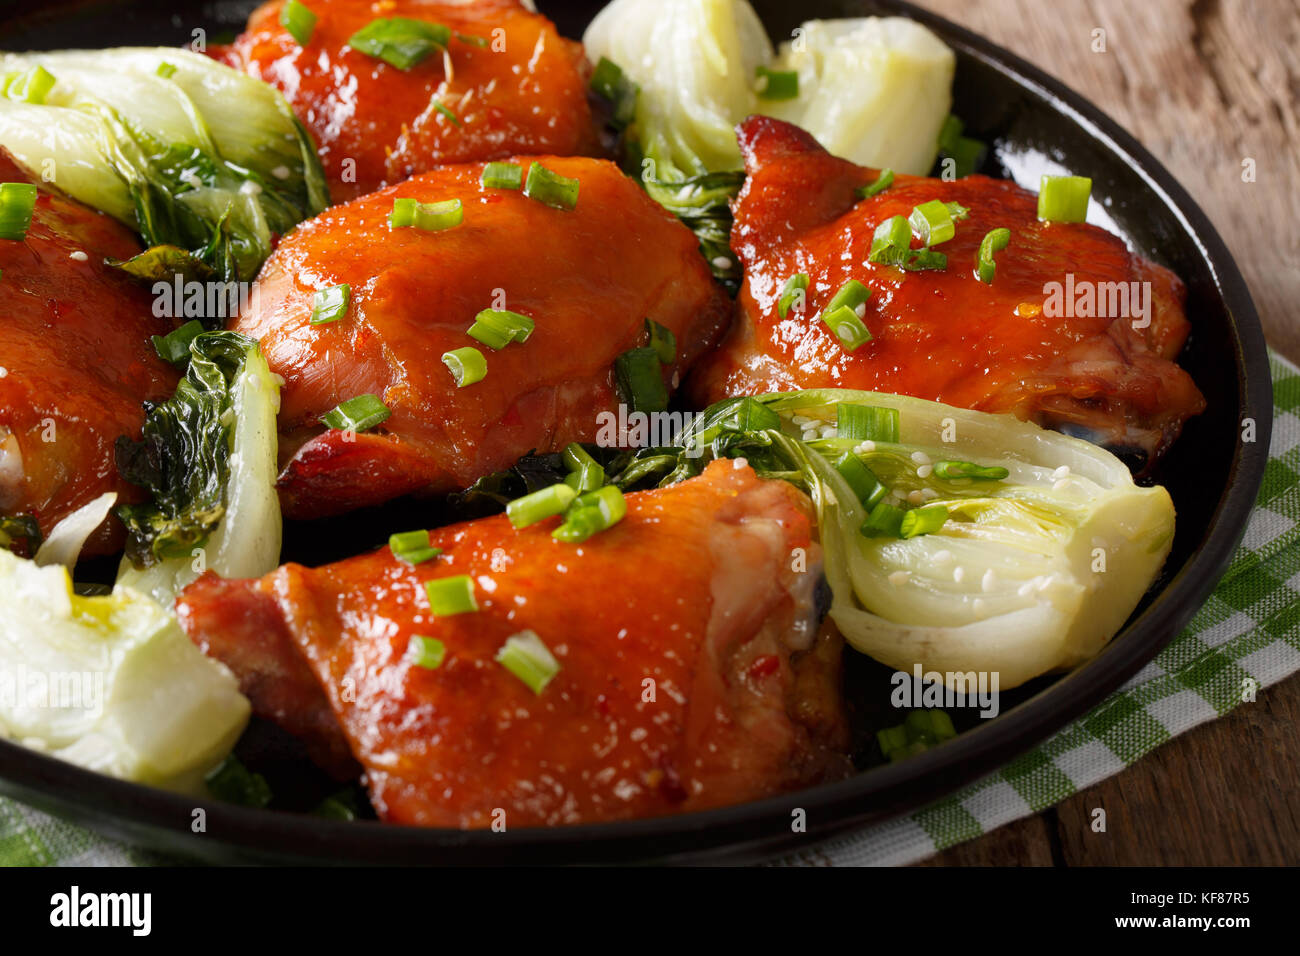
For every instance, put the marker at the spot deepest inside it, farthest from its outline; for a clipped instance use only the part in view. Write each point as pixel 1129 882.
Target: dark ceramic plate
pixel 1035 125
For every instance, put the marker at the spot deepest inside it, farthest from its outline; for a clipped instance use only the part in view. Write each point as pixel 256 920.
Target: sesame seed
pixel 79 256
pixel 989 581
pixel 899 578
pixel 924 471
pixel 958 574
pixel 920 458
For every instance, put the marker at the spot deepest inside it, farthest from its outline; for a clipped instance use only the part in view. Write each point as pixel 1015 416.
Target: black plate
pixel 1036 125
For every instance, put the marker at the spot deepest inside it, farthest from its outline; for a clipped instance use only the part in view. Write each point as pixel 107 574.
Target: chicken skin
pixel 692 672
pixel 507 83
pixel 588 277
pixel 76 362
pixel 944 335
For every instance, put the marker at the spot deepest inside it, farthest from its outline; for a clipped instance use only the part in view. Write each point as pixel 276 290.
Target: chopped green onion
pixel 852 294
pixel 950 132
pixel 957 211
pixel 471 40
pixel 995 240
pixel 878 185
pixel 776 84
pixel 449 114
pixel 861 479
pixel 426 652
pixel 793 286
pixel 437 216
pixel 298 20
pixel 640 380
pixel 413 547
pixel 921 521
pixel 884 521
pixel 585 473
pixel 966 153
pixel 866 422
pixel 502 176
pixel 750 415
pixel 357 414
pixel 337 806
pixel 932 222
pixel 174 347
pixel 234 783
pixel 1064 198
pixel 891 242
pixel 400 41
pixel 451 595
pixel 848 327
pixel 540 505
pixel 330 305
pixel 662 341
pixel 403 214
pixel 497 328
pixel 919 260
pixel 17 203
pixel 31 86
pixel 592 513
pixel 467 365
pixel 610 82
pixel 921 730
pixel 525 656
pixel 550 188
pixel 968 469
pixel 166 70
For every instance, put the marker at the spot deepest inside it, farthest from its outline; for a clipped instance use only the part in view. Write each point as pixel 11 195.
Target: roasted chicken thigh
pixel 943 335
pixel 692 670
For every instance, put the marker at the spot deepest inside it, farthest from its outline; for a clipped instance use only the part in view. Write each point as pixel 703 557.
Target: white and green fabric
pixel 1248 630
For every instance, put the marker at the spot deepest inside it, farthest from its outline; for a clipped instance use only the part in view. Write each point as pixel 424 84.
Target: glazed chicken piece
pixel 692 671
pixel 944 335
pixel 76 362
pixel 587 276
pixel 524 91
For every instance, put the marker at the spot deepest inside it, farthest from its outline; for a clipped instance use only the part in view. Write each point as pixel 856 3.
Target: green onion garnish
pixel 750 415
pixel 452 595
pixel 995 240
pixel 610 82
pixel 399 41
pixel 540 505
pixel 793 286
pixel 852 294
pixel 957 211
pixel 502 176
pixel 640 380
pixel 471 40
pixel 662 341
pixel 950 131
pixel 298 20
pixel 166 70
pixel 17 203
pixel 467 365
pixel 525 656
pixel 456 121
pixel 1064 198
pixel 966 153
pixel 847 326
pixel 501 325
pixel 861 479
pixel 437 216
pixel 330 305
pixel 919 260
pixel 879 185
pixel 968 469
pixel 932 222
pixel 234 783
pixel 921 521
pixel 357 414
pixel 866 422
pixel 890 242
pixel 776 84
pixel 413 547
pixel 592 513
pixel 403 214
pixel 921 730
pixel 585 473
pixel 884 521
pixel 31 86
pixel 550 188
pixel 426 652
pixel 174 347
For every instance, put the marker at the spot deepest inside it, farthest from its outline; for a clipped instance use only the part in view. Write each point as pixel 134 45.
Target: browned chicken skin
pixel 589 277
pixel 692 670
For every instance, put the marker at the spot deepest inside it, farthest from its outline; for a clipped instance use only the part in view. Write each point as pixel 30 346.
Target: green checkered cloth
pixel 1248 630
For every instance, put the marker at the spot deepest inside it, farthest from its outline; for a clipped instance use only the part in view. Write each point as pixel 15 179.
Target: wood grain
pixel 1206 85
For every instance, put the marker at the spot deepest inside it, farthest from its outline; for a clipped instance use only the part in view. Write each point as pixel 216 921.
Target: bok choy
pixel 1031 549
pixel 186 151
pixel 208 458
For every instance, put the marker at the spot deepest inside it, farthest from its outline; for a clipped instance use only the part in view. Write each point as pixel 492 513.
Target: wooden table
pixel 1205 85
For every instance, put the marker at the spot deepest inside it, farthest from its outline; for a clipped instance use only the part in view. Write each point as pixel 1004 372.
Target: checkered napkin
pixel 1249 628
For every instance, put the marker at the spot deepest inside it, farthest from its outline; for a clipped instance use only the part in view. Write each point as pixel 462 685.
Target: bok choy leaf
pixel 184 150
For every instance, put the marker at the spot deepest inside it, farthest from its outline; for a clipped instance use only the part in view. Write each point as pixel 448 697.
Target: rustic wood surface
pixel 1206 85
